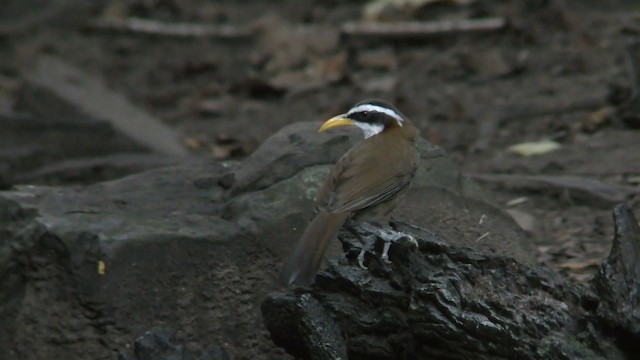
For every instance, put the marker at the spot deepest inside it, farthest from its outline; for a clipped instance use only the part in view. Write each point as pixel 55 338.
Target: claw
pixel 361 258
pixel 389 236
pixel 385 252
pixel 412 240
pixel 367 245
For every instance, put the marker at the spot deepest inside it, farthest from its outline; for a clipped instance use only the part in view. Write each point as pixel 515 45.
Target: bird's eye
pixel 365 114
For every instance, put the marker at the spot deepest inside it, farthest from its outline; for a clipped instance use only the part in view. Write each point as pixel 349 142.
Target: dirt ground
pixel 558 70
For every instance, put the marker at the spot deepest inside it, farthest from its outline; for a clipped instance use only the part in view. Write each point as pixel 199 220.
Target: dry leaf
pixel 102 267
pixel 533 148
pixel 227 146
pixel 598 119
pixel 517 201
pixel 193 143
pixel 580 265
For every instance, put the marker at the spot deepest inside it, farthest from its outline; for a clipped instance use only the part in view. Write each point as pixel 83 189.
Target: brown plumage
pixel 366 184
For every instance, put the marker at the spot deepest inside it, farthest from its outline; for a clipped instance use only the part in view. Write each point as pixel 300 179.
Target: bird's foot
pixel 361 259
pixel 387 235
pixel 391 236
pixel 366 246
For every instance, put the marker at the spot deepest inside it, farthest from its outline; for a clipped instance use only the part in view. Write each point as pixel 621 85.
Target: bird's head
pixel 372 116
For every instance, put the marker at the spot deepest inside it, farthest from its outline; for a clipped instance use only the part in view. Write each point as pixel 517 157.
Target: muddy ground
pixel 558 70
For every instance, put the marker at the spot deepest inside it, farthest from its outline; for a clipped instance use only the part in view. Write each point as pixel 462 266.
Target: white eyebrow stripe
pixel 376 108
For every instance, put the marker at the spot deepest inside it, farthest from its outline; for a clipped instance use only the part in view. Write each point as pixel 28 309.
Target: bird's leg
pixel 384 232
pixel 366 241
pixel 388 235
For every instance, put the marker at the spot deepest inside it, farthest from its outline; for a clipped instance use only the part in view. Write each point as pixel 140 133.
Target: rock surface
pixel 195 247
pixel 161 344
pixel 618 280
pixel 439 301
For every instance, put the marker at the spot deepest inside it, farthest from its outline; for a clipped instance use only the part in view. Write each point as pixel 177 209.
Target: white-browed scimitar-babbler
pixel 365 186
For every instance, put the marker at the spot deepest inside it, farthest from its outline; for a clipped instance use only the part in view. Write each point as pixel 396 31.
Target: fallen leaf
pixel 216 107
pixel 634 180
pixel 331 68
pixel 227 146
pixel 102 267
pixel 580 265
pixel 378 58
pixel 598 119
pixel 193 143
pixel 533 148
pixel 517 201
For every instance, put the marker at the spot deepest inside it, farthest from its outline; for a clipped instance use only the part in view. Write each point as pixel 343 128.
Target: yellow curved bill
pixel 340 120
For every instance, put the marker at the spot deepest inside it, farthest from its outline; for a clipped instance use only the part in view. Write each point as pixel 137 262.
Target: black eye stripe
pixel 365 116
pixel 369 117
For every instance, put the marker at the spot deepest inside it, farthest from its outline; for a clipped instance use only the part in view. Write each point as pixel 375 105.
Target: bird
pixel 366 184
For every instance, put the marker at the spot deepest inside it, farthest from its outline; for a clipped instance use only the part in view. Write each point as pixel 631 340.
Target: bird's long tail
pixel 302 265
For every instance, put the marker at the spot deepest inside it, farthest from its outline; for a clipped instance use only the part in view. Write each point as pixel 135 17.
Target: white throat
pixel 369 129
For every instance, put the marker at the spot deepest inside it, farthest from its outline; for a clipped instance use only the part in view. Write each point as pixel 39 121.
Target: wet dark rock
pixel 324 340
pixel 618 280
pixel 441 301
pixel 161 344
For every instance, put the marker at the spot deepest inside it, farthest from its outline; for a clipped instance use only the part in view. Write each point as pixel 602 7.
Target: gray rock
pixel 277 215
pixel 168 257
pixel 288 151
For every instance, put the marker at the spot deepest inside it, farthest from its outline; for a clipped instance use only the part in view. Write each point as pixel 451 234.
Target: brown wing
pixel 366 176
